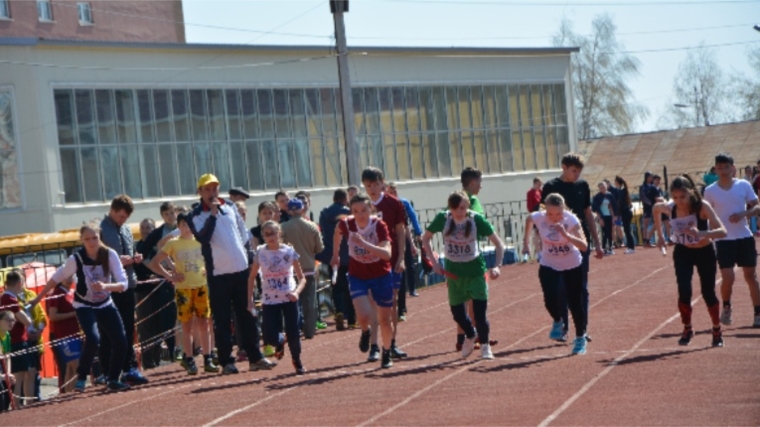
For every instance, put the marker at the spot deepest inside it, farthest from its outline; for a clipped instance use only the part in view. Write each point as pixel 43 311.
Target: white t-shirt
pixel 276 271
pixel 729 202
pixel 557 252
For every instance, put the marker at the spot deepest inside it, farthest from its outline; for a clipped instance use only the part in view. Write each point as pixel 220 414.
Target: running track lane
pixel 656 383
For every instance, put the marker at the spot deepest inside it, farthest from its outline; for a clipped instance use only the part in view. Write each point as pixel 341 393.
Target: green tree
pixel 747 89
pixel 601 70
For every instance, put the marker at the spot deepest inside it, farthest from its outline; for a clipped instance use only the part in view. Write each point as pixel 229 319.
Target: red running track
pixel 634 372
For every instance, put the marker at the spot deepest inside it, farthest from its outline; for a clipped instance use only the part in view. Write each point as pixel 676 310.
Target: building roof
pixel 690 151
pixel 495 51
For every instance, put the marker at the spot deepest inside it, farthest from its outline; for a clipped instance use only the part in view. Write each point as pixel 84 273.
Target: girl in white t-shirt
pixel 281 283
pixel 562 241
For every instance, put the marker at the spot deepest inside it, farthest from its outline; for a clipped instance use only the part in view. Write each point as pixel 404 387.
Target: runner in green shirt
pixel 471 184
pixel 465 266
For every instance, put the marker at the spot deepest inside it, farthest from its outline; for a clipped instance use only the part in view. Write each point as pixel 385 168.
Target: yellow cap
pixel 207 179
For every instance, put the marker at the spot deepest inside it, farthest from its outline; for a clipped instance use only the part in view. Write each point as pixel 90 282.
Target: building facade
pixel 105 20
pixel 86 121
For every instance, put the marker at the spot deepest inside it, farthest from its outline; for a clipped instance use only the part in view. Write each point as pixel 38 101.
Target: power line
pixel 634 33
pixel 568 4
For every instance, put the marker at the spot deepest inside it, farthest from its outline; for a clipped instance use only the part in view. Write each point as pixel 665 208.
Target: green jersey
pixel 462 251
pixel 475 204
pixel 5 342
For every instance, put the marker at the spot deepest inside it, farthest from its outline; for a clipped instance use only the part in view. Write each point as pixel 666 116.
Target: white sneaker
pixel 725 317
pixel 630 251
pixel 469 346
pixel 756 323
pixel 612 252
pixel 485 352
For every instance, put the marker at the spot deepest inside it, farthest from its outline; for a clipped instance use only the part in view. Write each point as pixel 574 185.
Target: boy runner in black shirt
pixel 577 195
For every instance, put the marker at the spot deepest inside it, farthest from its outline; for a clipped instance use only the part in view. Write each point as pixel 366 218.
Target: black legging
pixel 480 307
pixel 627 216
pixel 607 232
pixel 551 282
pixel 684 261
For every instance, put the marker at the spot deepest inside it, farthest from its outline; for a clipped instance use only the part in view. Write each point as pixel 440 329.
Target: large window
pixel 44 11
pixel 85 13
pixel 154 143
pixel 5 11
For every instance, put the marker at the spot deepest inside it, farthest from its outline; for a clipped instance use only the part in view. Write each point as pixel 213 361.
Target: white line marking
pixel 245 408
pixel 453 374
pixel 612 365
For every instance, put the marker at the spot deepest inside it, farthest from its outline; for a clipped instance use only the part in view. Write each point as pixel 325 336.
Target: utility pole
pixel 337 8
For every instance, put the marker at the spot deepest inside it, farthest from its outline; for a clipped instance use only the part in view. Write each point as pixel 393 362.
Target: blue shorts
pixel 397 278
pixel 381 288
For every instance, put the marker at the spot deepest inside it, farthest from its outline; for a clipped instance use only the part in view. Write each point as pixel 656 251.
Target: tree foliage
pixel 700 92
pixel 747 89
pixel 601 71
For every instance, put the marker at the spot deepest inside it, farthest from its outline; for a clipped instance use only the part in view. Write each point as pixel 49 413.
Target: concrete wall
pixel 113 67
pixel 135 21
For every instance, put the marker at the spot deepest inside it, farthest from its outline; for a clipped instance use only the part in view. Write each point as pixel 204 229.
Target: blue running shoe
pixel 134 377
pixel 101 380
pixel 80 386
pixel 557 331
pixel 117 386
pixel 579 345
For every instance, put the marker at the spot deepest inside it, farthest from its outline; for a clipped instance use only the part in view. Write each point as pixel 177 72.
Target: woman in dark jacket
pixel 624 209
pixel 603 204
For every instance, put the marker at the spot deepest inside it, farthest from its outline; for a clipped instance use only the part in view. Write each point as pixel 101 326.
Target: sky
pixel 643 25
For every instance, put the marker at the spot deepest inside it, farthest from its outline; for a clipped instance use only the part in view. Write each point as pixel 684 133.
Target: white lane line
pixel 453 374
pixel 131 402
pixel 611 366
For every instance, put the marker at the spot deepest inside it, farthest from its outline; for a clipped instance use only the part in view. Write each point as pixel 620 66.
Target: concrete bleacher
pixel 682 151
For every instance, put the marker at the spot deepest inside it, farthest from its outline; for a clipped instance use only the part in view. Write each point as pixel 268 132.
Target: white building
pixel 83 121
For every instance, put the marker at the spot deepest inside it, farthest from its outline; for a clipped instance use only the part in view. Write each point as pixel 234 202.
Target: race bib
pixel 679 230
pixel 459 246
pixel 558 250
pixel 359 253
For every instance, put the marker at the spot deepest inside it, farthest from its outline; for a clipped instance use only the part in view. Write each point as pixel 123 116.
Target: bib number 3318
pixel 458 249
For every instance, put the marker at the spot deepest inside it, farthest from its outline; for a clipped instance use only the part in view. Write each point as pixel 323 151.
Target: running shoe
pixel 686 336
pixel 321 325
pixel 414 294
pixel 340 323
pixel 557 331
pixel 210 367
pixel 726 317
pixel 468 346
pixel 261 365
pixel 493 342
pixel 117 386
pixel 756 323
pixel 485 352
pixel 579 345
pixel 300 370
pixel 630 251
pixel 215 357
pixel 101 380
pixel 396 352
pixel 387 359
pixel 402 317
pixel 189 365
pixel 364 341
pixel 80 386
pixel 134 377
pixel 611 252
pixel 241 356
pixel 279 350
pixel 269 351
pixel 374 353
pixel 352 325
pixel 717 340
pixel 230 369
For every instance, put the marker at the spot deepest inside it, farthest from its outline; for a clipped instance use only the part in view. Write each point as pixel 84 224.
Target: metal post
pixel 337 7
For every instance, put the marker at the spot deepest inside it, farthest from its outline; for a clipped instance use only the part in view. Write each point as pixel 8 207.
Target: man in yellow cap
pixel 221 231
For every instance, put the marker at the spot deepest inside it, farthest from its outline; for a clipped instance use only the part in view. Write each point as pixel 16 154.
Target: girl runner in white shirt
pixel 562 241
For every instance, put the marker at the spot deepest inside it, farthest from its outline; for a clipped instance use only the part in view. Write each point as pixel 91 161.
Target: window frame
pixel 85 7
pixel 48 6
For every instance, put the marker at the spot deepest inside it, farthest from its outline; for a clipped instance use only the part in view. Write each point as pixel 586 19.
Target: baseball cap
pixel 295 205
pixel 207 179
pixel 238 191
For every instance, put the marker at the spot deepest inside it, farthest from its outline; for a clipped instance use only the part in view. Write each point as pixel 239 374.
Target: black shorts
pixel 741 252
pixel 21 362
pixel 647 212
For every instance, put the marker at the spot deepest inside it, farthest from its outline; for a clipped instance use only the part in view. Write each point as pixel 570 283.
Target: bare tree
pixel 601 71
pixel 699 92
pixel 747 89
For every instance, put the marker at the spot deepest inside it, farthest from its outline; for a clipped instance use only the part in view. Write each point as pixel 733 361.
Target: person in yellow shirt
pixel 191 291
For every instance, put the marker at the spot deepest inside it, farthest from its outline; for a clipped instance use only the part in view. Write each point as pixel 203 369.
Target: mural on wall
pixel 10 188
